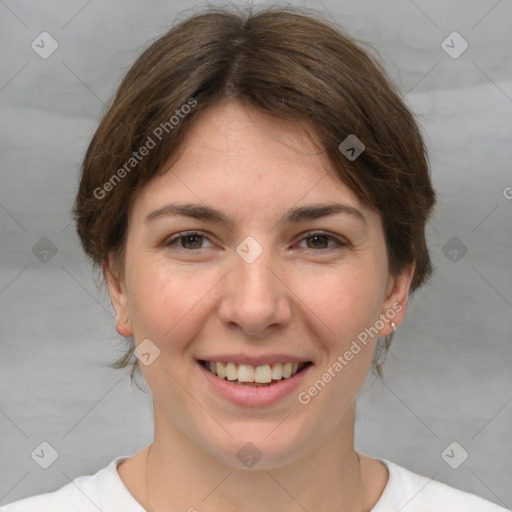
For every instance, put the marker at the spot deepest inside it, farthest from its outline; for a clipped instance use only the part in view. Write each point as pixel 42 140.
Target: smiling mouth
pixel 254 376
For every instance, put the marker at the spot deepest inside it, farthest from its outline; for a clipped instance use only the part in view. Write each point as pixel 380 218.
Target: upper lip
pixel 254 360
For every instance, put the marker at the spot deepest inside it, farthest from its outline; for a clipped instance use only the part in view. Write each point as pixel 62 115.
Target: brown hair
pixel 286 61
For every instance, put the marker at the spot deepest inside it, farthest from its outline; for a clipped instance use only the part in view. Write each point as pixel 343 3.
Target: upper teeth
pixel 248 373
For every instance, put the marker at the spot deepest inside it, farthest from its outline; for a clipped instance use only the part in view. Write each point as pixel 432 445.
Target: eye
pixel 318 241
pixel 191 240
pixel 194 240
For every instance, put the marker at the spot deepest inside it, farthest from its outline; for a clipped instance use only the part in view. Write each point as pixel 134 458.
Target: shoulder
pixel 410 492
pixel 69 498
pixel 102 491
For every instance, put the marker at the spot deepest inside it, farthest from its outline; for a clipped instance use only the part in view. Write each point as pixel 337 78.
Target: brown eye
pixel 193 241
pixel 320 241
pixel 188 241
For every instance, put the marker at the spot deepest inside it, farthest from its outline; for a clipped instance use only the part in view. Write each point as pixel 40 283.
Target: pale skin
pixel 302 296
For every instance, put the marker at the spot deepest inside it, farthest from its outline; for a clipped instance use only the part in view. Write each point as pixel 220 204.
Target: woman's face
pixel 268 283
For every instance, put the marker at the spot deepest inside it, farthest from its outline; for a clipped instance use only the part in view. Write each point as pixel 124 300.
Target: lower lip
pixel 249 396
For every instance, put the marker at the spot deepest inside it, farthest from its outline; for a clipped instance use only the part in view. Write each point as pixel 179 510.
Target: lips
pixel 250 394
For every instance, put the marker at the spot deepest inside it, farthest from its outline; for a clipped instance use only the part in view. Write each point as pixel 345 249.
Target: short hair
pixel 287 61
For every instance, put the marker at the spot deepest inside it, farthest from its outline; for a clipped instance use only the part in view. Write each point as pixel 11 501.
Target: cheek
pixel 165 301
pixel 345 299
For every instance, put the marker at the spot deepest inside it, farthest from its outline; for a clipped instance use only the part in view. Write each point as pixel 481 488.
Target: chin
pixel 258 451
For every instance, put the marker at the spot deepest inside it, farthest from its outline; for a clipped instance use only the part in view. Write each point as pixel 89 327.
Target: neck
pixel 183 476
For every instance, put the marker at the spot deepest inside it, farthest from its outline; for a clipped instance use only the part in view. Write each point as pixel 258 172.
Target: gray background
pixel 448 376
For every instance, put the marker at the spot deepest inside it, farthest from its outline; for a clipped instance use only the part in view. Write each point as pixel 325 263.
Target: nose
pixel 256 298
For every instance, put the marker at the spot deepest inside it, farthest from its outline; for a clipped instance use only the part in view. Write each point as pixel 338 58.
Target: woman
pixel 256 197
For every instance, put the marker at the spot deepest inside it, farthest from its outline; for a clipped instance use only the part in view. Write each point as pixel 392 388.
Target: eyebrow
pixel 292 216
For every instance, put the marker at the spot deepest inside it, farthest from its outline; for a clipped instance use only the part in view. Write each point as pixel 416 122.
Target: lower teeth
pixel 253 384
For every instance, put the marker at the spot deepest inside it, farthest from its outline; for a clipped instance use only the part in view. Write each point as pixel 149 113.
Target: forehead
pixel 232 134
pixel 226 123
pixel 238 158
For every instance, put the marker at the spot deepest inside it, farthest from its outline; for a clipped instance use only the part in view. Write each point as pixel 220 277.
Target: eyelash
pixel 170 242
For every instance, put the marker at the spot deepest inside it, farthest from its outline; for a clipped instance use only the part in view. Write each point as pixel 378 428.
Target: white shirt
pixel 405 491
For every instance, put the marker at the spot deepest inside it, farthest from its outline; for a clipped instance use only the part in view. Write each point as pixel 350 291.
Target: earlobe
pixel 124 328
pixel 395 305
pixel 118 299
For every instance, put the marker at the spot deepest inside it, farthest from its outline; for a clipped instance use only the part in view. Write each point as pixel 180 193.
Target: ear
pixel 118 297
pixel 397 296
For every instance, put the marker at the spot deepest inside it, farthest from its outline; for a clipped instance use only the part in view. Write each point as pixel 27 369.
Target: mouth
pixel 254 376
